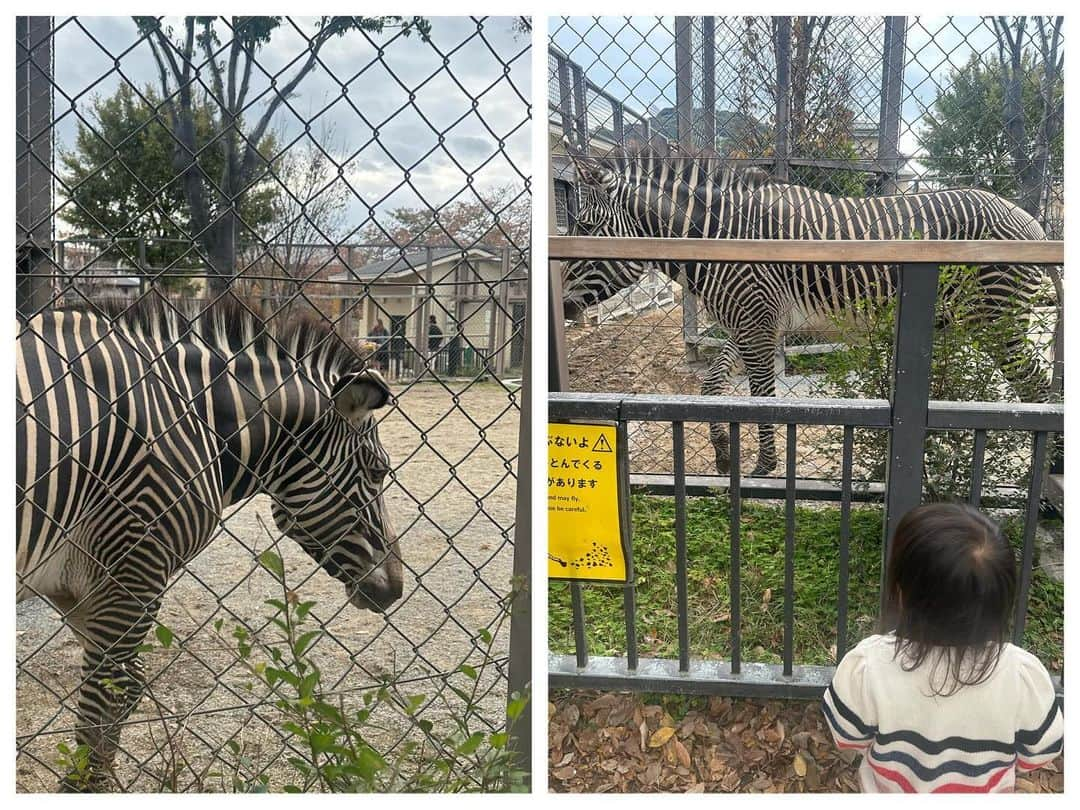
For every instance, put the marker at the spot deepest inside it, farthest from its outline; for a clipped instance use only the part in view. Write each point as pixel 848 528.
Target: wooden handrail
pixel 809 251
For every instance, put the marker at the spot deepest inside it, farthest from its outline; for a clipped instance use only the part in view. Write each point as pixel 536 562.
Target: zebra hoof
pixel 761 470
pixel 723 465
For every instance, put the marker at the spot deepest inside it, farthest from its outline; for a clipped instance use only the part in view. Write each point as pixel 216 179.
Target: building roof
pixel 408 264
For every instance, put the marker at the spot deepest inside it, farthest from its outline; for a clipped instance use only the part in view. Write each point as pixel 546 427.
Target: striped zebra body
pixel 655 196
pixel 134 431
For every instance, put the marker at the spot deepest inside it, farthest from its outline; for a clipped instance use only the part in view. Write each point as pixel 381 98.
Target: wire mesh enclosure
pixel 853 107
pixel 272 288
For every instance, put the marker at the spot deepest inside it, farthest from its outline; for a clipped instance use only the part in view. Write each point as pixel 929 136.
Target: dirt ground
pixel 622 743
pixel 452 502
pixel 646 354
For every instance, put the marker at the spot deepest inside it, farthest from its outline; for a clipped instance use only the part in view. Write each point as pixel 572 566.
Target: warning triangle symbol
pixel 601 445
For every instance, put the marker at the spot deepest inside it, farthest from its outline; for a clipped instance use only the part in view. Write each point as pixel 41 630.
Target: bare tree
pixel 198 50
pixel 1030 156
pixel 497 217
pixel 308 218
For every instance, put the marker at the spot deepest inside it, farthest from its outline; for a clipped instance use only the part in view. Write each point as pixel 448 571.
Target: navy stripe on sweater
pixel 928 746
pixel 1026 738
pixel 954 766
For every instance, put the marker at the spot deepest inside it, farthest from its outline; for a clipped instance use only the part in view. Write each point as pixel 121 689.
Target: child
pixel 943 703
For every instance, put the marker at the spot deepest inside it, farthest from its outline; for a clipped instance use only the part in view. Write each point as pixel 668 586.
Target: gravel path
pixel 452 503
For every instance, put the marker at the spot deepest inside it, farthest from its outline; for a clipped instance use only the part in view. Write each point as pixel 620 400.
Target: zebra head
pixel 330 497
pixel 602 210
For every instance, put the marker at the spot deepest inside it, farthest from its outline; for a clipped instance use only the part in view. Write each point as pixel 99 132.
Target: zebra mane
pixel 233 327
pixel 651 159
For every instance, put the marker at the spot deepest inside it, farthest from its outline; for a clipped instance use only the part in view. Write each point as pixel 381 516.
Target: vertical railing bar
pixel 629 589
pixel 909 395
pixel 678 443
pixel 977 462
pixel 789 554
pixel 1038 462
pixel 845 540
pixel 734 579
pixel 581 645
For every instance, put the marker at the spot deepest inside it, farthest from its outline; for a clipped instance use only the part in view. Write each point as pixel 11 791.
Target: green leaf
pixel 516 706
pixel 369 763
pixel 468 671
pixel 164 635
pixel 498 740
pixel 414 702
pixel 271 561
pixel 470 745
pixel 304 642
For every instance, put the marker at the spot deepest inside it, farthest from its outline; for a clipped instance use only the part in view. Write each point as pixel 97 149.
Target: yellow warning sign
pixel 585 538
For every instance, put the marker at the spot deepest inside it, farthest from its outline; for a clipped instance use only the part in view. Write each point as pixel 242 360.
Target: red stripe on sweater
pixel 907 787
pixel 984 788
pixel 893 776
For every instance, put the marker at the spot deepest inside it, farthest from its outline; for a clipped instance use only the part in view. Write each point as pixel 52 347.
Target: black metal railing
pixel 906 418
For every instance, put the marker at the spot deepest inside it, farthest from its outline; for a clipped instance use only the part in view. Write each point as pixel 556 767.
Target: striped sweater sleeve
pixel 1040 724
pixel 847 709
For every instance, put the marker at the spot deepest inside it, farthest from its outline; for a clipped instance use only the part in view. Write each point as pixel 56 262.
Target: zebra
pixel 648 193
pixel 137 425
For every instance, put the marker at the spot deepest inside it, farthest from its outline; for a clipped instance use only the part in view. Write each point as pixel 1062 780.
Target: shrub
pixel 963 368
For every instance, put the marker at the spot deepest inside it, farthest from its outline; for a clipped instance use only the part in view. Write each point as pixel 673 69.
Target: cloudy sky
pixel 634 59
pixel 469 85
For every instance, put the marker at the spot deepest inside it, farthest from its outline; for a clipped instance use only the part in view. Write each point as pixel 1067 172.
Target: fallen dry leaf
pixel 721 744
pixel 681 753
pixel 799 763
pixel 661 736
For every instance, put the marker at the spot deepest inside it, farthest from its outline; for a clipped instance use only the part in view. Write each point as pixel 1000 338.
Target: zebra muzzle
pixel 380 587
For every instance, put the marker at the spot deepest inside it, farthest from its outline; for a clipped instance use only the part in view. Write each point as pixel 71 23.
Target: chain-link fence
pixel 339 187
pixel 848 106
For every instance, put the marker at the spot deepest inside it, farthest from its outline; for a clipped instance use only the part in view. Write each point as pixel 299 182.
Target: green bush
pixel 963 368
pixel 328 723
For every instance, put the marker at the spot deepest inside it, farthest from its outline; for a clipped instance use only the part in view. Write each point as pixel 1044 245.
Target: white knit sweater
pixel 916 742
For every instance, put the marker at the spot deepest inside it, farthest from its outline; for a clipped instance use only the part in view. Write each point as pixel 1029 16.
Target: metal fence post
pixel 708 81
pixel 581 110
pixel 888 155
pixel 519 674
pixel 689 320
pixel 783 98
pixel 912 353
pixel 558 371
pixel 34 162
pixel 566 112
pixel 684 85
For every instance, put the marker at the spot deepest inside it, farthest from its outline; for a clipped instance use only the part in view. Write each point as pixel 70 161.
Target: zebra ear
pixel 358 394
pixel 590 170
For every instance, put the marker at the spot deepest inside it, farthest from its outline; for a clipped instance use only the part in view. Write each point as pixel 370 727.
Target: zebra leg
pixel 715 383
pixel 111 625
pixel 757 350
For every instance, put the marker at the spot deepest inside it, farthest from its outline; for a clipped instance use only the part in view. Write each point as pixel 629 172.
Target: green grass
pixel 816 572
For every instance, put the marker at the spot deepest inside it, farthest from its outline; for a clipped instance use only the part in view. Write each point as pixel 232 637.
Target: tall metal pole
pixel 892 81
pixel 684 93
pixel 33 163
pixel 783 97
pixel 519 675
pixel 708 82
pixel 558 371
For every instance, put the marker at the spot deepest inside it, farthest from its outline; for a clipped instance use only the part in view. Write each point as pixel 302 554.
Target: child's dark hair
pixel 949 592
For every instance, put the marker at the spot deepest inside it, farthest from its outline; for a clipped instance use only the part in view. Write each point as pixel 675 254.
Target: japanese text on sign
pixel 584 527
